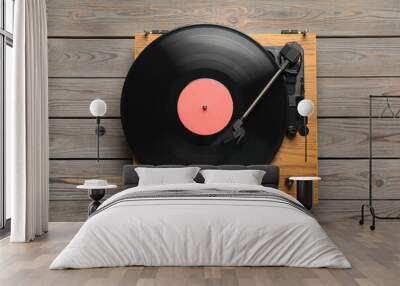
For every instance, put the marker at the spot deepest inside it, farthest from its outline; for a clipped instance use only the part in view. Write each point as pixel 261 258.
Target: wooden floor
pixel 375 257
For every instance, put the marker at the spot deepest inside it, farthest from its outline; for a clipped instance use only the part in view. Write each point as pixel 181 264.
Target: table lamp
pixel 305 108
pixel 98 109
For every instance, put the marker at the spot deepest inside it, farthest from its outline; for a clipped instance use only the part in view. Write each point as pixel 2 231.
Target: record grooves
pixel 187 87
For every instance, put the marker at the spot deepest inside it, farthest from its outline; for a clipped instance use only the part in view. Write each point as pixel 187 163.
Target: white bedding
pixel 200 231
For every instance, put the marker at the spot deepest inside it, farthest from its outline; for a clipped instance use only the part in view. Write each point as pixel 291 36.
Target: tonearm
pixel 291 55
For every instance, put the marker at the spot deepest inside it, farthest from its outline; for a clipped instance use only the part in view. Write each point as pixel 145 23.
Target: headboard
pixel 271 178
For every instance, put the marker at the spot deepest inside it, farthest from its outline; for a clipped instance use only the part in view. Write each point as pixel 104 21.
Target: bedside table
pixel 95 194
pixel 305 189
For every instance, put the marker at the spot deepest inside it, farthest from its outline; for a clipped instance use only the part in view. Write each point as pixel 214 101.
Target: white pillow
pixel 248 177
pixel 165 176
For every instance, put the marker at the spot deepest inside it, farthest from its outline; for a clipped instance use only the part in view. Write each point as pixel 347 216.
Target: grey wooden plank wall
pixel 90 52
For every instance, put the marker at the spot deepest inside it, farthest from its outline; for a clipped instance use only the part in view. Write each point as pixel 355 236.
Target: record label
pixel 205 106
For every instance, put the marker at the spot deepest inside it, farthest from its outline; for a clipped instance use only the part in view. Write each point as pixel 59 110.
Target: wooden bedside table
pixel 305 189
pixel 96 193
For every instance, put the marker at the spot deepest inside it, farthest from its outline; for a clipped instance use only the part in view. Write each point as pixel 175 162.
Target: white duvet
pixel 200 231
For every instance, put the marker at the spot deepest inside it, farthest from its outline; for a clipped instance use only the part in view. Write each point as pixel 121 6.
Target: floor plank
pixel 375 257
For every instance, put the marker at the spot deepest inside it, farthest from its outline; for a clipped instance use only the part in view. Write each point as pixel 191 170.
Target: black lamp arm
pixel 305 138
pixel 98 137
pixel 100 131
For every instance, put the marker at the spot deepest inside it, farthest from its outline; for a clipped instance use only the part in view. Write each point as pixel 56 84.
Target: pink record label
pixel 205 106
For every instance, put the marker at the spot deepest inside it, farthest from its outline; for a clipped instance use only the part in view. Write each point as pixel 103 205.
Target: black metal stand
pixel 95 195
pixel 305 193
pixel 370 199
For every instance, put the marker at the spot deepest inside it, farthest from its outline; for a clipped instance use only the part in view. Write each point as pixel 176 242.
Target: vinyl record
pixel 187 87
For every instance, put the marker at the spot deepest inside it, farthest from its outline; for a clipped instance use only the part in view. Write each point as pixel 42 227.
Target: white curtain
pixel 27 124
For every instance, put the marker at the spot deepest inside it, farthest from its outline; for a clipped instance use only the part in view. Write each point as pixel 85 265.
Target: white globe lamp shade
pixel 98 108
pixel 305 107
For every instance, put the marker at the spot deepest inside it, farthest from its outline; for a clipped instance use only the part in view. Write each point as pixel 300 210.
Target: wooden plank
pixel 359 57
pixel 65 175
pixel 76 138
pixel 68 210
pixel 336 210
pixel 113 57
pixel 342 179
pixel 336 96
pixel 348 179
pixel 338 137
pixel 349 96
pixel 71 97
pixel 89 57
pixel 123 18
pixel 345 181
pixel 342 138
pixel 325 211
pixel 73 194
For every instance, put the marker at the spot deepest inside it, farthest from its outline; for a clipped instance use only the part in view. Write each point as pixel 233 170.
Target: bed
pixel 198 224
